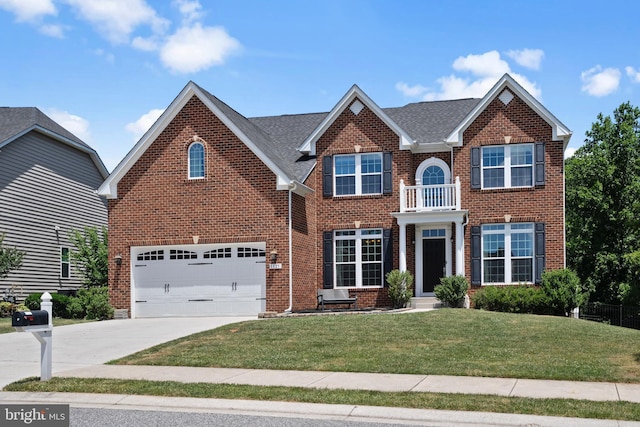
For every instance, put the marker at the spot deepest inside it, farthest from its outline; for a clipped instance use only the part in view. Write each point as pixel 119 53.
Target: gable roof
pixel 559 131
pixel 286 143
pixel 259 142
pixel 309 144
pixel 18 121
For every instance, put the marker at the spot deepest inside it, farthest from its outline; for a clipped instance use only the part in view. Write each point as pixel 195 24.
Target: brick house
pixel 212 213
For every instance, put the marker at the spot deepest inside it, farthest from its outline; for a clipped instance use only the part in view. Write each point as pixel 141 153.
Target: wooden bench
pixel 335 296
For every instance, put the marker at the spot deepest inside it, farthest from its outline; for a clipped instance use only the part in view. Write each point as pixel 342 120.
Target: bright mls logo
pixel 35 415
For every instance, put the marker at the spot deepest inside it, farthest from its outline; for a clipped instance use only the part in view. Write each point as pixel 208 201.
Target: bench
pixel 335 296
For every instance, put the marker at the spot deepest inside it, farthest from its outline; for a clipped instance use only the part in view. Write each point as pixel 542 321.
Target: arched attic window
pixel 196 160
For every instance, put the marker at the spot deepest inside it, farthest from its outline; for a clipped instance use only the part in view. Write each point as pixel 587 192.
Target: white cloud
pixel 633 74
pixel 117 19
pixel 142 125
pixel 411 91
pixel 485 69
pixel 569 152
pixel 488 64
pixel 51 30
pixel 29 10
pixel 196 48
pixel 190 10
pixel 599 82
pixel 74 124
pixel 109 57
pixel 149 44
pixel 529 58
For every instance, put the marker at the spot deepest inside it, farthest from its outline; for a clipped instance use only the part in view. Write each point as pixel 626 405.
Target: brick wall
pixel 339 213
pixel 236 202
pixel 537 204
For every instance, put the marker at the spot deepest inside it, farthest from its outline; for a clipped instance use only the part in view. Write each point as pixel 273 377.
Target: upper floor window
pixel 357 174
pixel 196 160
pixel 65 265
pixel 507 166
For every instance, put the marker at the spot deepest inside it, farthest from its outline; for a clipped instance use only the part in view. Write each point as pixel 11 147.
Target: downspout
pixel 290 308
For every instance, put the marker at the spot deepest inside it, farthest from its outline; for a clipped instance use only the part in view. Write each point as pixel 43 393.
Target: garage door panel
pixel 205 280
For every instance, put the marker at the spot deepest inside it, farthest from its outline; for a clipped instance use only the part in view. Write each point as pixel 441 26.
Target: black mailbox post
pixel 30 318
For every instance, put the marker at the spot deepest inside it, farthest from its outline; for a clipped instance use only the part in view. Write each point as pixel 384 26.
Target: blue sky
pixel 105 69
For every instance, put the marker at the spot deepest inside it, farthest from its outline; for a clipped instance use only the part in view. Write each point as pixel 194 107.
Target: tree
pixel 91 256
pixel 10 259
pixel 603 207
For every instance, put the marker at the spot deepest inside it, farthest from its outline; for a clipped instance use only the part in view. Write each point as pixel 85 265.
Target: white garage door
pixel 199 280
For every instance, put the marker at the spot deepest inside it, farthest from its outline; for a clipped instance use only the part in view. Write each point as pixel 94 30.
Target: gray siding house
pixel 48 182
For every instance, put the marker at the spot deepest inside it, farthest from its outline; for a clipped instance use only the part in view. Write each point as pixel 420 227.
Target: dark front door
pixel 433 263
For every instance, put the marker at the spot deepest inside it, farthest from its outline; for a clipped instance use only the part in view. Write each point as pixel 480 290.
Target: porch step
pixel 426 303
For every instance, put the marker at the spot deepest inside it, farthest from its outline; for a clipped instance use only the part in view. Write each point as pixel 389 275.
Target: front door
pixel 433 263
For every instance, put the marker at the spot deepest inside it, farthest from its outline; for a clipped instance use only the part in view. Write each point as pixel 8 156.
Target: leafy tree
pixel 91 255
pixel 603 207
pixel 10 259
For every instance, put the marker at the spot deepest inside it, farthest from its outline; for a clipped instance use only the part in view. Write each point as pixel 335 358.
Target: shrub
pixel 7 309
pixel 452 290
pixel 563 291
pixel 94 302
pixel 59 301
pixel 512 299
pixel 400 290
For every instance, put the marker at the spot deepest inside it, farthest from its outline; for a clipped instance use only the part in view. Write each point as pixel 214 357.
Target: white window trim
pixel 507 166
pixel 433 161
pixel 358 237
pixel 507 253
pixel 358 174
pixel 204 161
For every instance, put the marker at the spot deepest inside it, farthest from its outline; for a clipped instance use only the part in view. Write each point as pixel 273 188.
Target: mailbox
pixel 30 318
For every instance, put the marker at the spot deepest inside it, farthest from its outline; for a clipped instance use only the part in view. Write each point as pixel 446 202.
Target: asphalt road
pixel 94 417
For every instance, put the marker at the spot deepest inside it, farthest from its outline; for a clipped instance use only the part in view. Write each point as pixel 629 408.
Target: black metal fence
pixel 617 315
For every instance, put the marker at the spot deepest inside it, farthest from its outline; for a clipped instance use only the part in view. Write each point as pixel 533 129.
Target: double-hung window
pixel 507 166
pixel 65 264
pixel 358 258
pixel 358 174
pixel 508 253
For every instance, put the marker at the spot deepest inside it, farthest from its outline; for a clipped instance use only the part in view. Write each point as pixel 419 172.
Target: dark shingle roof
pixel 14 121
pixel 279 137
pixel 431 121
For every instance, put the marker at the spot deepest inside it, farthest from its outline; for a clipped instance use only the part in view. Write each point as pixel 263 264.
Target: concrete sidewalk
pixel 510 387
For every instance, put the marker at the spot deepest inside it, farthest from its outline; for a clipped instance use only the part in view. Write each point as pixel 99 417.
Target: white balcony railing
pixel 424 198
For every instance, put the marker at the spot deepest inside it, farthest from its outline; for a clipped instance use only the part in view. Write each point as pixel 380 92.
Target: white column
pixel 403 247
pixel 46 339
pixel 403 197
pixel 459 248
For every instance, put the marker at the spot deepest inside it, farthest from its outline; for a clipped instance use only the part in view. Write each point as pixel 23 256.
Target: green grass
pixel 456 402
pixel 5 323
pixel 444 342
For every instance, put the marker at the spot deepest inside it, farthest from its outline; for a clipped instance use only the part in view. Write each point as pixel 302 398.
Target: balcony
pixel 428 198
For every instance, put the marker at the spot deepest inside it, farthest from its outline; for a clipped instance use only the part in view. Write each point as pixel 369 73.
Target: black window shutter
pixel 540 251
pixel 327 176
pixel 476 252
pixel 387 176
pixel 539 171
pixel 387 254
pixel 475 167
pixel 327 251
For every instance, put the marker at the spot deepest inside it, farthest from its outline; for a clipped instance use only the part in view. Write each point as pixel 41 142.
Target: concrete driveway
pixel 95 343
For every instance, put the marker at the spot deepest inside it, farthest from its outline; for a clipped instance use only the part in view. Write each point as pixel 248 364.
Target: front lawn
pixel 441 342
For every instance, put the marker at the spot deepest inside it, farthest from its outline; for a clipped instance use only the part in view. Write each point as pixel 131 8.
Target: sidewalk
pixel 594 391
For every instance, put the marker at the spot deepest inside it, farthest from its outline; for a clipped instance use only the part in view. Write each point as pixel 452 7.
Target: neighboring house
pixel 48 183
pixel 212 213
